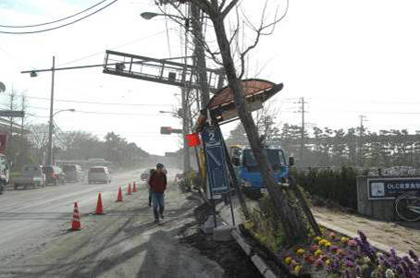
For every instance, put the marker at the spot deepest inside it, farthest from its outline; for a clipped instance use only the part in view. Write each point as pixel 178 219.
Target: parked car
pixel 4 173
pixel 74 172
pixel 99 174
pixel 54 175
pixel 145 175
pixel 31 175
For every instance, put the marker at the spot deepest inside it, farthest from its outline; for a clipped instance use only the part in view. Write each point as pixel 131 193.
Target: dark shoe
pixel 156 221
pixel 162 216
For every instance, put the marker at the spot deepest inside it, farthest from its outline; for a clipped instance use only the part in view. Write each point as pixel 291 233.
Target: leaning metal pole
pixel 185 131
pixel 50 130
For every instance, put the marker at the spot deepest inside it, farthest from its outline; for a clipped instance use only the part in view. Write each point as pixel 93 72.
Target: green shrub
pixel 336 185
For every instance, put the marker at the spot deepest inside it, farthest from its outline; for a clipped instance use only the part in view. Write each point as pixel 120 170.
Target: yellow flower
pixel 322 241
pixel 344 240
pixel 300 252
pixel 318 253
pixel 317 239
pixel 327 244
pixel 327 262
pixel 288 260
pixel 297 269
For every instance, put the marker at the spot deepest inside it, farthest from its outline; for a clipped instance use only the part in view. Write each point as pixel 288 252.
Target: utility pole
pixel 362 118
pixel 12 107
pixel 200 57
pixel 50 130
pixel 185 129
pixel 360 141
pixel 302 129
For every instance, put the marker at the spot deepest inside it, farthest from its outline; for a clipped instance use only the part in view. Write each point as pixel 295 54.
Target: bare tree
pixel 38 138
pixel 217 11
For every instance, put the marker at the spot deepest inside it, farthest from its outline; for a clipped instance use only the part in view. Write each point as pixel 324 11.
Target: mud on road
pixel 227 254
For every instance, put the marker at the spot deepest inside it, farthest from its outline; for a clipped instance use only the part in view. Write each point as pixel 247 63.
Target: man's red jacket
pixel 158 182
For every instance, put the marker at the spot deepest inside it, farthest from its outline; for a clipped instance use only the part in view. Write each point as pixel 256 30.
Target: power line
pixel 117 47
pixel 61 26
pixel 55 21
pixel 101 103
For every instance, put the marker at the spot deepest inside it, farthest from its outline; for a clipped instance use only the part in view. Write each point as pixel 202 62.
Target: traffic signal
pixel 165 130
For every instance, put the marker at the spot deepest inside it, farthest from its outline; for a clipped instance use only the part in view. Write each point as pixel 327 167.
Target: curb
pixel 258 262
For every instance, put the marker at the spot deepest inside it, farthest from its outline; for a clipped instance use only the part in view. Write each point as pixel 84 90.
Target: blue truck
pixel 247 172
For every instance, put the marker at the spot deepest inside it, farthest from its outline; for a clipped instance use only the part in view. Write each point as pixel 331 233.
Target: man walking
pixel 158 186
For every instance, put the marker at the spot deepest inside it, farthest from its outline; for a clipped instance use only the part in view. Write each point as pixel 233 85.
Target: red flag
pixel 193 139
pixel 3 139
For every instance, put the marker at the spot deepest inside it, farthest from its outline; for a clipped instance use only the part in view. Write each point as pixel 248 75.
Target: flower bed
pixel 334 255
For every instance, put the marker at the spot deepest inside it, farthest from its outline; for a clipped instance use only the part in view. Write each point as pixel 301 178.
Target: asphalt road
pixel 124 242
pixel 28 217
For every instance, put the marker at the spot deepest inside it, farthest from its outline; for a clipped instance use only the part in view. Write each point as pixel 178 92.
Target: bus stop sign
pixel 215 159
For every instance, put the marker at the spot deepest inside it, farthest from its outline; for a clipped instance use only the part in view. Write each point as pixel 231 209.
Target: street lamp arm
pixel 150 15
pixel 70 110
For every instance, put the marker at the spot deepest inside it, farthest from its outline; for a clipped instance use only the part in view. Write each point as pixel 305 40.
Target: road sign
pixel 169 130
pixel 10 113
pixel 215 159
pixel 390 188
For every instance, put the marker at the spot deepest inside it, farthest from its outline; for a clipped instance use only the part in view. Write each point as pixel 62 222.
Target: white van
pixel 99 174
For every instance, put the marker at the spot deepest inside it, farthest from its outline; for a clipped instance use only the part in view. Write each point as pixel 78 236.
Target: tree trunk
pixel 294 229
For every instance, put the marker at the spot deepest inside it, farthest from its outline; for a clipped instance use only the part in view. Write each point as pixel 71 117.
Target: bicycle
pixel 407 207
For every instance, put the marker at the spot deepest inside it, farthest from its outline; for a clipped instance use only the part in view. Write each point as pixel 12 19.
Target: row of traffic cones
pixel 75 223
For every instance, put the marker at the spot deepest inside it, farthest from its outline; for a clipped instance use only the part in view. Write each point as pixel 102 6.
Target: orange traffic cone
pixel 129 189
pixel 75 224
pixel 119 198
pixel 134 187
pixel 99 208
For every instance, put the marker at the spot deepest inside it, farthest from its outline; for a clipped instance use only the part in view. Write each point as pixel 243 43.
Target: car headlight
pixel 246 184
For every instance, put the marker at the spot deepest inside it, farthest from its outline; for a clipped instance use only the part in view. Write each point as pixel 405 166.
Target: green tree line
pixel 358 147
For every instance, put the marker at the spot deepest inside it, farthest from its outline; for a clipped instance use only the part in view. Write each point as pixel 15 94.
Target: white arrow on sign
pixel 214 158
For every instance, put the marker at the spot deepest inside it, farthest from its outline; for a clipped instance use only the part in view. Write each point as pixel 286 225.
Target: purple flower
pixel 347 274
pixel 400 269
pixel 349 263
pixel 405 268
pixel 362 236
pixel 413 255
pixel 334 248
pixel 358 271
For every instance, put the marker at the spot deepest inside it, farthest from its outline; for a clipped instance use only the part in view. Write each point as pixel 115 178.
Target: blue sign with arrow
pixel 215 159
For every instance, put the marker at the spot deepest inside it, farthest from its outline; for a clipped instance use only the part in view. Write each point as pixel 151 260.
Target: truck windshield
pixel 275 157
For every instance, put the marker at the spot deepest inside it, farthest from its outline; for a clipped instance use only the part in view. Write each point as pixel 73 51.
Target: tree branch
pixel 228 8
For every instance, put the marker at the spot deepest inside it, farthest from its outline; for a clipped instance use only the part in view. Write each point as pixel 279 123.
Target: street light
pixel 50 132
pixel 150 15
pixel 69 110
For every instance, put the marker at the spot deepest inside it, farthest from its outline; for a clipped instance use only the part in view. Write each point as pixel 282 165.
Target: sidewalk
pixel 402 236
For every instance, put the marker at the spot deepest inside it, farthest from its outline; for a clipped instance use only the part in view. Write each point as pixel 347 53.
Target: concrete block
pixel 259 263
pixel 223 233
pixel 208 226
pixel 269 274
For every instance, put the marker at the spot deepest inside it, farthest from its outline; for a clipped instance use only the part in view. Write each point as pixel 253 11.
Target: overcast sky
pixel 346 57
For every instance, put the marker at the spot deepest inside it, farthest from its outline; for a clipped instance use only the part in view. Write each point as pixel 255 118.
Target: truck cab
pixel 247 171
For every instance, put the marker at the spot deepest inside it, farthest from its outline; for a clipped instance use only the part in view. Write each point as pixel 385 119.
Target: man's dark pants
pixel 158 200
